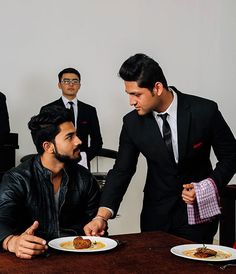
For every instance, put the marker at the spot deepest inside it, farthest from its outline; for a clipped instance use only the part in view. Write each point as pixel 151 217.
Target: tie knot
pixel 163 116
pixel 71 103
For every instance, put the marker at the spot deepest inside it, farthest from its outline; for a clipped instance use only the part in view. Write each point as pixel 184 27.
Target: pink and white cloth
pixel 207 203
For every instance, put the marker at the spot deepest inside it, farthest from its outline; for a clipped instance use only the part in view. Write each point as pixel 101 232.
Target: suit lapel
pixel 60 102
pixel 82 113
pixel 78 110
pixel 183 125
pixel 157 145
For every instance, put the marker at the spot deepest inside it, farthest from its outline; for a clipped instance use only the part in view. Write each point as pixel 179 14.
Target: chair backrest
pixel 109 153
pixel 101 175
pixel 106 153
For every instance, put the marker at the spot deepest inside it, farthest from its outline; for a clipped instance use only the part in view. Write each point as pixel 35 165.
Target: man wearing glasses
pixel 84 116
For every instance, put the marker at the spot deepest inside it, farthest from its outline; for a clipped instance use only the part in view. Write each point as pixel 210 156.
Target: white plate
pixel 178 251
pixel 109 243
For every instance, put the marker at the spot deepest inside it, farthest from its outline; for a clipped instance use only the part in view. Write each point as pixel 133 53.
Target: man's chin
pixel 141 112
pixel 68 160
pixel 76 159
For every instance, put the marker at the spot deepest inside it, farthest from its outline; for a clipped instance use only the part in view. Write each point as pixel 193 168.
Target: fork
pixel 223 267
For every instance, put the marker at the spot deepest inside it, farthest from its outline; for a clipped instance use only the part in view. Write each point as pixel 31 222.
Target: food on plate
pixel 207 253
pixel 204 252
pixel 80 243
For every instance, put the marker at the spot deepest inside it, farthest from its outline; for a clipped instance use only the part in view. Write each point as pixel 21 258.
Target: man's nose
pixel 132 101
pixel 78 141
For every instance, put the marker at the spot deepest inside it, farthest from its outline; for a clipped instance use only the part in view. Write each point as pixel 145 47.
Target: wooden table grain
pixel 147 252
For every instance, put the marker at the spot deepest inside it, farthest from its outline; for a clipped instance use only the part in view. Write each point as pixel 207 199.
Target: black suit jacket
pixel 4 119
pixel 87 127
pixel 200 127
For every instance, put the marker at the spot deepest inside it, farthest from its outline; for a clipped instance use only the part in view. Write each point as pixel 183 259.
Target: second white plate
pixel 178 251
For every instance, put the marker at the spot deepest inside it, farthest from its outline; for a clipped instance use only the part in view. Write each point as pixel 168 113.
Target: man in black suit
pixel 175 132
pixel 85 116
pixel 4 118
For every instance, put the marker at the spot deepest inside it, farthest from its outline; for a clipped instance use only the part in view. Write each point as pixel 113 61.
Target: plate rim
pixel 53 244
pixel 219 247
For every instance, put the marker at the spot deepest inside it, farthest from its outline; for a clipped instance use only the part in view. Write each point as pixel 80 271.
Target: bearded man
pixel 49 195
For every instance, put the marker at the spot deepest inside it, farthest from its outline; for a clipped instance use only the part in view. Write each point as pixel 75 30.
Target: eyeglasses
pixel 70 81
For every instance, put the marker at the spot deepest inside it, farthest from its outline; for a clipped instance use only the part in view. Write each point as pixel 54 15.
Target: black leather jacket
pixel 26 195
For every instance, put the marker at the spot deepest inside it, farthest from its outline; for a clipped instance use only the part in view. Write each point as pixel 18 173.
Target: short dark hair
pixel 143 70
pixel 68 70
pixel 45 125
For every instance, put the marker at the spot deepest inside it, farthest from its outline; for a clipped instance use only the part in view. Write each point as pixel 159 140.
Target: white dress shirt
pixel 172 120
pixel 75 106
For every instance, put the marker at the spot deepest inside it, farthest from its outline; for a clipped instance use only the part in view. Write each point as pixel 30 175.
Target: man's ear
pixel 48 147
pixel 158 88
pixel 59 85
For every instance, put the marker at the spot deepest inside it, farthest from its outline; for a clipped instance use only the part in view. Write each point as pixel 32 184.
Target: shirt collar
pixel 65 100
pixel 172 109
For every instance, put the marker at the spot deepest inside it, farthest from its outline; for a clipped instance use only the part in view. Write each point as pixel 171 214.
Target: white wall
pixel 193 40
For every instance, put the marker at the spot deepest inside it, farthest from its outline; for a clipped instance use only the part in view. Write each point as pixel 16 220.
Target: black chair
pixel 101 175
pixel 8 146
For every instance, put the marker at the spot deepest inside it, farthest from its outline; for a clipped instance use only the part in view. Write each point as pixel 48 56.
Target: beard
pixel 65 158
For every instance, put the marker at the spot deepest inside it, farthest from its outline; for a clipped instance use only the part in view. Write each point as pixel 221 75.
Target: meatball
pixel 80 243
pixel 203 252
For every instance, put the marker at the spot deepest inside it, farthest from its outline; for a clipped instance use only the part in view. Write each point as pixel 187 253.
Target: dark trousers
pixel 176 223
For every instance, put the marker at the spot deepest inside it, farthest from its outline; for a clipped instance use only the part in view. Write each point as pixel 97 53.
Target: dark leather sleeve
pixel 10 194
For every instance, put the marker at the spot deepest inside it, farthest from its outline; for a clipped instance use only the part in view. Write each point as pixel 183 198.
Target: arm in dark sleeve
pixel 119 177
pixel 224 146
pixel 4 118
pixel 95 136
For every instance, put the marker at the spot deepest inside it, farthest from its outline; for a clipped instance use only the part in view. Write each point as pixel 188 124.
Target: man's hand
pixel 188 194
pixel 26 245
pixel 96 227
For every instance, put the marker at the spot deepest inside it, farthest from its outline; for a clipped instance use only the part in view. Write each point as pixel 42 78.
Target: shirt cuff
pixel 112 212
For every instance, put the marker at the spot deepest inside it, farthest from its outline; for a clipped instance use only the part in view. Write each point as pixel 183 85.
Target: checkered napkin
pixel 207 202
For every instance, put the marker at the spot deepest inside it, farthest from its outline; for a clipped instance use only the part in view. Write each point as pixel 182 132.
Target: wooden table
pixel 139 253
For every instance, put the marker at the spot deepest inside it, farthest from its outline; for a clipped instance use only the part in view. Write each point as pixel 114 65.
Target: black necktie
pixel 72 112
pixel 167 134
